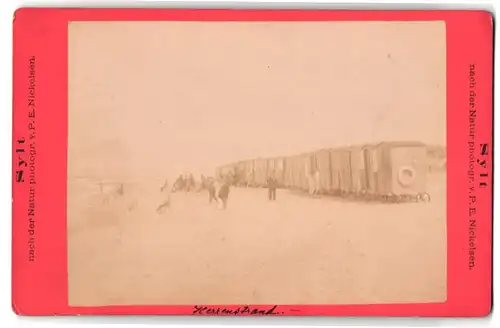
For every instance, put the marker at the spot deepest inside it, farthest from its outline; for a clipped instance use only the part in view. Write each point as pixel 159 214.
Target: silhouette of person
pixel 210 185
pixel 178 184
pixel 191 182
pixel 224 192
pixel 317 182
pixel 272 185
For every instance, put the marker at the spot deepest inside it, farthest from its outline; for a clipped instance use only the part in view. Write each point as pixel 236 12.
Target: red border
pixel 40 287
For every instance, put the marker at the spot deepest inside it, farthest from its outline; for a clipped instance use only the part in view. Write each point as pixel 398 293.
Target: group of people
pixel 218 190
pixel 184 183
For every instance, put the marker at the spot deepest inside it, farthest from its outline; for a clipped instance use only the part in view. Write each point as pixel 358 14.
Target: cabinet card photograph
pixel 224 163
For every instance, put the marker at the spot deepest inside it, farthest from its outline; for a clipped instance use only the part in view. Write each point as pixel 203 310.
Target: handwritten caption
pixel 243 310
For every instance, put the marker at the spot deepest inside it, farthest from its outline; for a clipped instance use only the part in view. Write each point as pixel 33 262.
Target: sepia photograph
pixel 227 163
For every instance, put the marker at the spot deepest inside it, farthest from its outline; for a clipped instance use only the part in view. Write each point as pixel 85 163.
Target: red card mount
pixel 40 134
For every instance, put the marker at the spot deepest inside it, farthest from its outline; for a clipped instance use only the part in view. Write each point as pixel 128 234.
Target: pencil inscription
pixel 277 169
pixel 245 310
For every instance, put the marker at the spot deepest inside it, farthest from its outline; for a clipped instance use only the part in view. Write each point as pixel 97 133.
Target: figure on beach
pixel 223 194
pixel 210 186
pixel 272 185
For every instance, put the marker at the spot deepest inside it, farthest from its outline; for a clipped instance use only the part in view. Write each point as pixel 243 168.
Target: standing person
pixel 178 184
pixel 272 185
pixel 224 192
pixel 202 183
pixel 310 179
pixel 317 182
pixel 191 183
pixel 210 185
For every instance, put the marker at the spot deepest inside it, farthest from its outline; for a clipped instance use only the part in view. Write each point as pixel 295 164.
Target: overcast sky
pixel 157 98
